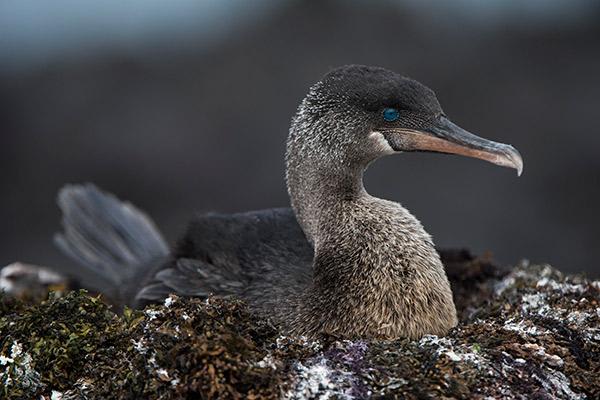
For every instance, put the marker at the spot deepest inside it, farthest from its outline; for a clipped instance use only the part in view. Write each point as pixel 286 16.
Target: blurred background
pixel 183 106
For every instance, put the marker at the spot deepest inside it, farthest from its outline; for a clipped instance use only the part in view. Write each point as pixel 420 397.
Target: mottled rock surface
pixel 525 332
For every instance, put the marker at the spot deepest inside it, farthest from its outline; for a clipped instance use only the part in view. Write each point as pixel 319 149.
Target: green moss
pixel 60 334
pixel 194 348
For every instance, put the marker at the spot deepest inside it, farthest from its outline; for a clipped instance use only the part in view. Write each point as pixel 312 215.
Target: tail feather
pixel 107 237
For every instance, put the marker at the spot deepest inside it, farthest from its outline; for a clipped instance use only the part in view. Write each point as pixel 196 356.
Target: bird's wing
pixel 242 254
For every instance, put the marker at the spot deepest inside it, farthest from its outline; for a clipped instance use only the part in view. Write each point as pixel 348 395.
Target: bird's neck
pixel 317 189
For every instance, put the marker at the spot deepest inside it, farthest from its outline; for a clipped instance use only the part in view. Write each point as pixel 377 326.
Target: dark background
pixel 184 106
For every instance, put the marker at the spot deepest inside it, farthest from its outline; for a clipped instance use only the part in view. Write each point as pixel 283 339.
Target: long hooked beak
pixel 447 137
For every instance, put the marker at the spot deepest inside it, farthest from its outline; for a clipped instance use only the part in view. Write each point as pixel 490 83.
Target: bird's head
pixel 357 114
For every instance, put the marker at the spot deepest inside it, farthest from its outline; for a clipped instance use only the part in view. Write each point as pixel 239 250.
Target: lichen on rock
pixel 527 331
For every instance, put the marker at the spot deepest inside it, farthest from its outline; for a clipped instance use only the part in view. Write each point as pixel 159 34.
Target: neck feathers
pixel 321 171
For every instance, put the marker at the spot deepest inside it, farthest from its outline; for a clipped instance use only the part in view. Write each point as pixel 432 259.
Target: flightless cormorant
pixel 340 261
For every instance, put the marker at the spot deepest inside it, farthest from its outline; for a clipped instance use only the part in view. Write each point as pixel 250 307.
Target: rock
pixel 525 332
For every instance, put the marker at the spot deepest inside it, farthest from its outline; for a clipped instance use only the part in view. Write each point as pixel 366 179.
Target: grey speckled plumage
pixel 342 262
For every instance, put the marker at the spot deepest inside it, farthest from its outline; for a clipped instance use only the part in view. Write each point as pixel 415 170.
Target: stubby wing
pixel 244 254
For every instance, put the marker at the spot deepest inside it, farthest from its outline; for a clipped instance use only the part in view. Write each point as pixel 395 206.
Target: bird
pixel 337 262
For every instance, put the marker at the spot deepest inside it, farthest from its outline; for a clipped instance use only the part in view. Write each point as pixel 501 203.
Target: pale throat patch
pixel 381 142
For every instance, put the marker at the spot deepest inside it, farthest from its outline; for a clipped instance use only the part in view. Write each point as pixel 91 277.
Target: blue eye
pixel 390 114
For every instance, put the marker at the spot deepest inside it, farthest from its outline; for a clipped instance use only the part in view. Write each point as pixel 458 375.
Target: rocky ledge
pixel 525 332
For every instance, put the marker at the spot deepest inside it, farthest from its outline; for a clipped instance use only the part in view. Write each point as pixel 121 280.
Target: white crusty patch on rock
pixel 169 301
pixel 562 287
pixel 315 379
pixel 502 285
pixel 18 370
pixel 140 346
pixel 556 382
pixel 267 362
pixel 331 374
pixel 535 303
pixel 524 328
pixel 152 314
pixel 455 352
